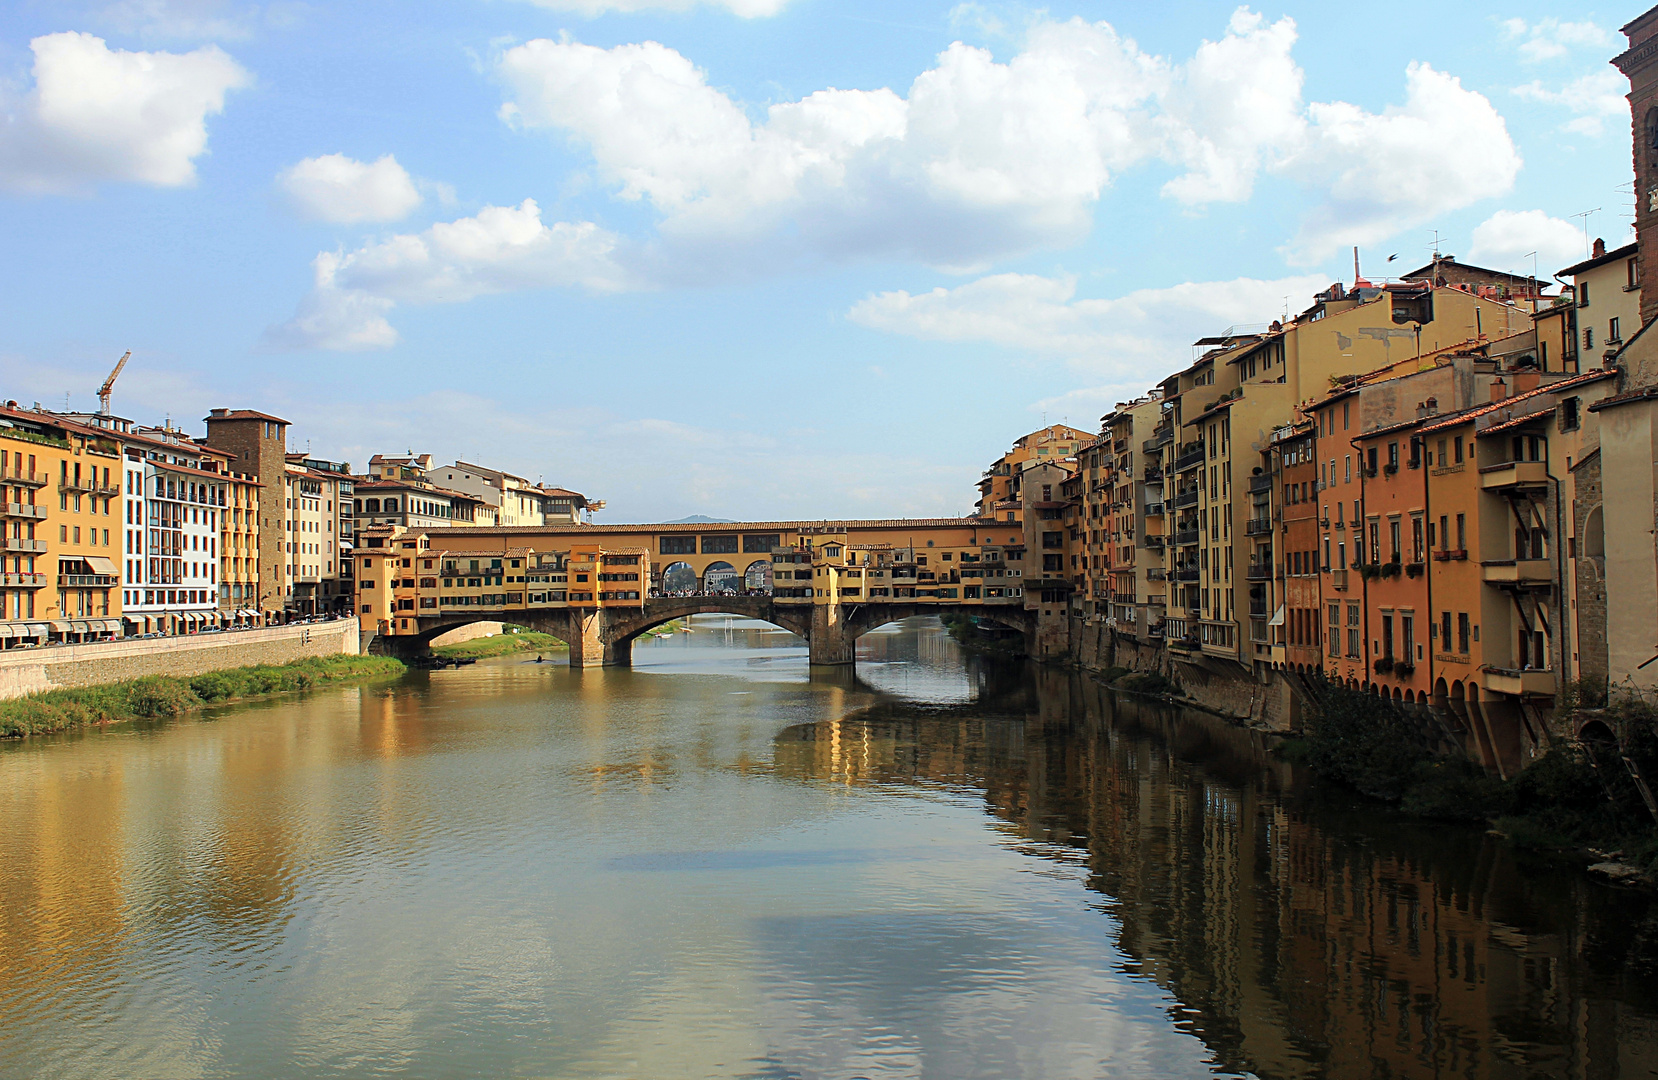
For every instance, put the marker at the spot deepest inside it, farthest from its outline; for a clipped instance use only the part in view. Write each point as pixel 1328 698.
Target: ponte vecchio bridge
pixel 597 588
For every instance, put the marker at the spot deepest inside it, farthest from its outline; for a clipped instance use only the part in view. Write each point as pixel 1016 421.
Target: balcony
pixel 1338 579
pixel 87 581
pixel 1259 571
pixel 1191 458
pixel 87 487
pixel 23 581
pixel 1155 543
pixel 1185 537
pixel 1517 572
pixel 1186 574
pixel 34 511
pixel 1183 499
pixel 1157 573
pixel 1153 474
pixel 1520 683
pixel 1258 526
pixel 1513 475
pixel 1260 482
pixel 1160 437
pixel 14 543
pixel 1155 509
pixel 26 479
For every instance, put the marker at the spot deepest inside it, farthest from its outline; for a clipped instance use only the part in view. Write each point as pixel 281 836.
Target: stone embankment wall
pixel 29 671
pixel 1217 685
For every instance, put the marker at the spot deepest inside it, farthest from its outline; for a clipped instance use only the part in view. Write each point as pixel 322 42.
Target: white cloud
pixel 499 249
pixel 1232 108
pixel 984 159
pixel 336 188
pixel 1444 149
pixel 1118 335
pixel 97 114
pixel 747 9
pixel 1550 38
pixel 1592 98
pixel 1507 238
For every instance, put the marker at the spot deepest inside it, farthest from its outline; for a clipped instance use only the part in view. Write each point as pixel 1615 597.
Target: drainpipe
pixel 1364 652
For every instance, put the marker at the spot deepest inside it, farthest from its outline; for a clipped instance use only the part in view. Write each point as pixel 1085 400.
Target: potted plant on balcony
pixel 1413 569
pixel 1384 665
pixel 1402 669
pixel 1391 569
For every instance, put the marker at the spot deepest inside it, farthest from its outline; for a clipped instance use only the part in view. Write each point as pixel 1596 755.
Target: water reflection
pixel 721 864
pixel 1300 933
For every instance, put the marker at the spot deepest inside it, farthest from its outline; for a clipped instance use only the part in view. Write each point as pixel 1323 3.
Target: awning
pixel 101 565
pixel 61 627
pixel 112 626
pixel 1278 618
pixel 37 630
pixel 7 631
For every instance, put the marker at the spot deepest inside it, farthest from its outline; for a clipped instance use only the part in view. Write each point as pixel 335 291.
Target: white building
pixel 175 491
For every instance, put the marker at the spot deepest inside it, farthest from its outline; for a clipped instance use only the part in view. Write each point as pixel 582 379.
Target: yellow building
pixel 999 486
pixel 58 576
pixel 239 550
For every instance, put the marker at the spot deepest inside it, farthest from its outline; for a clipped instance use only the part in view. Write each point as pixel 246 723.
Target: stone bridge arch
pixel 625 625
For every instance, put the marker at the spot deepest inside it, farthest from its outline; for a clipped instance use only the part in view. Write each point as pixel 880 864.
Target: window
pixel 1393 456
pixel 1353 630
pixel 1347 472
pixel 679 545
pixel 1588 337
pixel 1633 269
pixel 1407 638
pixel 1456 445
pixel 1395 552
pixel 1445 630
pixel 1583 294
pixel 1570 414
pixel 1416 539
pixel 1462 532
pixel 1612 331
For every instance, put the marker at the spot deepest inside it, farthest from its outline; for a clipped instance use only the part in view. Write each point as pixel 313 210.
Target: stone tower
pixel 260 443
pixel 1639 63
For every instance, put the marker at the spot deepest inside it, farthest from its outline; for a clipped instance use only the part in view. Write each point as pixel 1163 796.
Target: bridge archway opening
pixel 721 579
pixel 424 639
pixel 678 579
pixel 757 578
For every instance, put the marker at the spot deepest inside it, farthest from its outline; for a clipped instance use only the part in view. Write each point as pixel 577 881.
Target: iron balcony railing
pixel 1184 574
pixel 1185 537
pixel 1185 498
pixel 1191 458
pixel 1257 526
pixel 1154 509
pixel 1259 571
pixel 1261 482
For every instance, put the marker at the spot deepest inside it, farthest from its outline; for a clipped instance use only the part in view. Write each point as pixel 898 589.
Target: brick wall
pixel 28 671
pixel 1591 579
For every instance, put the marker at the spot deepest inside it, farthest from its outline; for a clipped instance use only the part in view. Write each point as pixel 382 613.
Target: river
pixel 717 864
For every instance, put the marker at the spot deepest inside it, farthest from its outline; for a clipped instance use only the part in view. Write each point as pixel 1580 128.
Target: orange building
pixel 1394 582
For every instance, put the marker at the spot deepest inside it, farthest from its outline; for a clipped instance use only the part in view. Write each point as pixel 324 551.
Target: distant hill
pixel 698 519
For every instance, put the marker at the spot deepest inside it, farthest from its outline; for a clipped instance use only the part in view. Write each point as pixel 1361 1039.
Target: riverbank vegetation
pixel 158 696
pixel 1577 798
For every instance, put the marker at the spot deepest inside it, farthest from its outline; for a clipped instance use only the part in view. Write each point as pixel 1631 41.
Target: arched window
pixel 1594 535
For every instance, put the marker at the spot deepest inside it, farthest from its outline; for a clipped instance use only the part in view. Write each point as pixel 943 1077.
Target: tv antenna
pixel 1585 216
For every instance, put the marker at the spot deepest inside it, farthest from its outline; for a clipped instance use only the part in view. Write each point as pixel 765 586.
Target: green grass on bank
pixel 503 644
pixel 156 696
pixel 517 639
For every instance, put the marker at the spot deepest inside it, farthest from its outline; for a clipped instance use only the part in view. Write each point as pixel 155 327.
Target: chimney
pixel 1525 381
pixel 1600 247
pixel 1499 390
pixel 1433 406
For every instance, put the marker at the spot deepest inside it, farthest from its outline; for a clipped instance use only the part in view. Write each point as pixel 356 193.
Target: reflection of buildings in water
pixel 1299 939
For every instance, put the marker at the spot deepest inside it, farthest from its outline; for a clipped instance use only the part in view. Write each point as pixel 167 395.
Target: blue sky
pixel 747 258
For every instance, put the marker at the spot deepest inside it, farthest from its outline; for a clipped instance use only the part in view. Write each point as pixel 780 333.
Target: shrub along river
pixel 717 864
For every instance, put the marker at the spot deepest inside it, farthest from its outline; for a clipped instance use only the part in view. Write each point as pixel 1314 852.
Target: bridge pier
pixel 832 641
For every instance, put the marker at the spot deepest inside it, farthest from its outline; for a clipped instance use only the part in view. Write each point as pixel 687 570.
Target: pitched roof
pixel 1470 415
pixel 1600 260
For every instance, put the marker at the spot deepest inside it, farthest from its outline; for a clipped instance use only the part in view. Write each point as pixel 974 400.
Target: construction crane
pixel 109 384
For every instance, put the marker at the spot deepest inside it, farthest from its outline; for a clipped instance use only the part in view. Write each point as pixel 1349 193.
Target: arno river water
pixel 716 865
